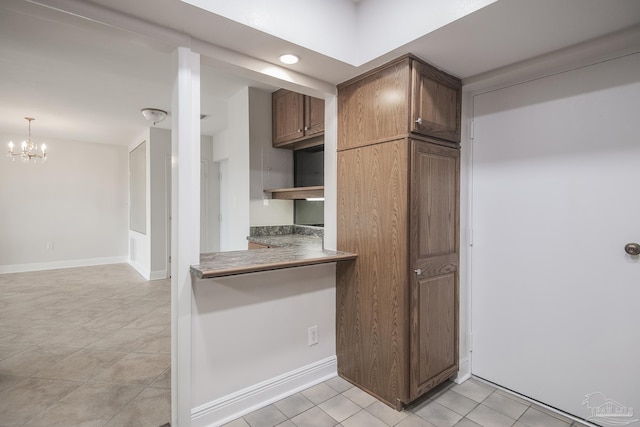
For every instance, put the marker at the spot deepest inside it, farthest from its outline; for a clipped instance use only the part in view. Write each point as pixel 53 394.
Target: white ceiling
pixel 86 81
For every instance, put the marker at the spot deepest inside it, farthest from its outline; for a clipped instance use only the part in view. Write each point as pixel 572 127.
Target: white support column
pixel 185 230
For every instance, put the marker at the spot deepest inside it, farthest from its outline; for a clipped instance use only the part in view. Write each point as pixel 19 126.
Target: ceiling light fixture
pixel 28 150
pixel 154 115
pixel 289 59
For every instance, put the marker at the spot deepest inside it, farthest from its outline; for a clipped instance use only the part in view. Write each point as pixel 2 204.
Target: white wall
pixel 410 19
pixel 210 198
pixel 148 251
pixel 281 18
pixel 220 149
pixel 250 339
pixel 220 156
pixel 345 30
pixel 270 167
pixel 330 171
pixel 586 54
pixel 554 192
pixel 77 200
pixel 140 242
pixel 239 170
pixel 253 166
pixel 160 188
pixel 466 157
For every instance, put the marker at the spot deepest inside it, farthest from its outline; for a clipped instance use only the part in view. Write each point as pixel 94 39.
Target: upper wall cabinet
pixel 298 120
pixel 313 116
pixel 435 102
pixel 404 97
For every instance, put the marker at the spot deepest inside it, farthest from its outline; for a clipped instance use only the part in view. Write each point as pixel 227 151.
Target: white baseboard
pixel 157 275
pixel 464 371
pixel 56 265
pixel 140 269
pixel 242 402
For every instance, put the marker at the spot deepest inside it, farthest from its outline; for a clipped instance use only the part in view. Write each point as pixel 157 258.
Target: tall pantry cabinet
pixel 398 209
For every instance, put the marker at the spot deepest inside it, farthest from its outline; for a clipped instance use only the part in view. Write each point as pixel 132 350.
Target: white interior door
pixel 556 300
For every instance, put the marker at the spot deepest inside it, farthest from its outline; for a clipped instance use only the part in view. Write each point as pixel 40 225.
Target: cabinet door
pixel 288 116
pixel 434 253
pixel 313 115
pixel 435 105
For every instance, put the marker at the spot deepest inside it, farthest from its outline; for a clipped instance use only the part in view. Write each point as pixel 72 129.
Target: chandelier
pixel 28 149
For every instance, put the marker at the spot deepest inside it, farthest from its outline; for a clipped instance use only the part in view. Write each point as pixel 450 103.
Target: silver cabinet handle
pixel 419 120
pixel 299 130
pixel 418 271
pixel 306 128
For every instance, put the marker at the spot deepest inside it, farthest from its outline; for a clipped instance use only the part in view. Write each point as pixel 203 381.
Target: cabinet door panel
pixel 288 116
pixel 372 292
pixel 314 115
pixel 436 324
pixel 435 258
pixel 375 108
pixel 436 173
pixel 436 101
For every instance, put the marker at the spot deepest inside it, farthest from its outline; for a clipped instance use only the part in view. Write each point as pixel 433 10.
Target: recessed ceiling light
pixel 288 58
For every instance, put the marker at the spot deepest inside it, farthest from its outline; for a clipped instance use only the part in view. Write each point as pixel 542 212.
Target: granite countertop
pixel 291 246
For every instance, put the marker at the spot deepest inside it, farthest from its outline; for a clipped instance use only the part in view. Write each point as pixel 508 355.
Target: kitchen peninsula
pixel 288 246
pixel 253 313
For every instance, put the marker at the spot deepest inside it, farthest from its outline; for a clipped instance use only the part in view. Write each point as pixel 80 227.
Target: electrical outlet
pixel 313 335
pixel 49 246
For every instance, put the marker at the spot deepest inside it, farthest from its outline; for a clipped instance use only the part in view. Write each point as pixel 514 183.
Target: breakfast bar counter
pixel 220 264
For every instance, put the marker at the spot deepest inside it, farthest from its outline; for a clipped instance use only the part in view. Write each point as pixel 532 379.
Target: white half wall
pixel 71 210
pixel 250 339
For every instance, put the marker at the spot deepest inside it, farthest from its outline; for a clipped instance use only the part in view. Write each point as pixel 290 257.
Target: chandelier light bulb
pixel 28 149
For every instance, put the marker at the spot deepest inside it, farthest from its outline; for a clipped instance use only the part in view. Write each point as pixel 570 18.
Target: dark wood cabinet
pixel 288 116
pixel 297 119
pixel 435 102
pixel 405 97
pixel 398 209
pixel 434 229
pixel 313 116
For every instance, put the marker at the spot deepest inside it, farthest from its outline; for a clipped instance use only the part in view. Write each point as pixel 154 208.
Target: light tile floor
pixel 336 403
pixel 91 347
pixel 84 347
